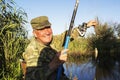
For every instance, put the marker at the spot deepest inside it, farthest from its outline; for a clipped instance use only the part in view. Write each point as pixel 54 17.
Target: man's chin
pixel 47 42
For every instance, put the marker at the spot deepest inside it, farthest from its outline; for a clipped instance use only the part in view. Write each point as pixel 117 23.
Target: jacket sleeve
pixel 46 56
pixel 37 66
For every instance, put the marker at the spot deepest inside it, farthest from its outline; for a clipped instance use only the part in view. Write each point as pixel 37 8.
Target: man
pixel 42 60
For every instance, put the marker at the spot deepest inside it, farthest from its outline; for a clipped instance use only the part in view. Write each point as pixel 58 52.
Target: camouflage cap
pixel 40 22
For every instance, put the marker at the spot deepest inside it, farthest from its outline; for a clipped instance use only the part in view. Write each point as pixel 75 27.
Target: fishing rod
pixel 67 39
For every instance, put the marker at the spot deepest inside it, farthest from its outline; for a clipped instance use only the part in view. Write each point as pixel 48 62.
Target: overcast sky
pixel 60 12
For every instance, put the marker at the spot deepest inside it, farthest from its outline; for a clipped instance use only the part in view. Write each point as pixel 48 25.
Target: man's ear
pixel 34 33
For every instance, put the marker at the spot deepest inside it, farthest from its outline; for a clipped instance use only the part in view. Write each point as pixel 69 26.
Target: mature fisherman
pixel 41 59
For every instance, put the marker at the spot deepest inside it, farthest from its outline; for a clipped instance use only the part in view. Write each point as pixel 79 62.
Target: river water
pixel 89 71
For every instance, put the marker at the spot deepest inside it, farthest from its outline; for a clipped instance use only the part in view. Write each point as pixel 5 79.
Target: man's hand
pixel 92 23
pixel 63 55
pixel 59 59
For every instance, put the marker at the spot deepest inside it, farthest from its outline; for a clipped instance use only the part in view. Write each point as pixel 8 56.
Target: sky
pixel 60 12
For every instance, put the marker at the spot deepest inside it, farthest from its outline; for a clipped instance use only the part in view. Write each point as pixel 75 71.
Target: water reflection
pixel 89 71
pixel 109 73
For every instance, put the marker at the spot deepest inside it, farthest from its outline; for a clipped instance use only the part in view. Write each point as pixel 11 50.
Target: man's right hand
pixel 63 55
pixel 59 59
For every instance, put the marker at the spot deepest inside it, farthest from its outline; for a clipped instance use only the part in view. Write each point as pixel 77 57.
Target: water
pixel 88 71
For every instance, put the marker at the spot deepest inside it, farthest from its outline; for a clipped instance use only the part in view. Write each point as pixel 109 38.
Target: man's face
pixel 44 35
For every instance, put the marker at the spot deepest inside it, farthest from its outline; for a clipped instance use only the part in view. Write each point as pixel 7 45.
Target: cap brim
pixel 45 26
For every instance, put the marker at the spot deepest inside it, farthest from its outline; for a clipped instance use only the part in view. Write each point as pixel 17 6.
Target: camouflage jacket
pixel 37 57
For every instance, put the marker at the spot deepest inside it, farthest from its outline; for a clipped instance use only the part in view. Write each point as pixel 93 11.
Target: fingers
pixel 64 51
pixel 63 55
pixel 92 23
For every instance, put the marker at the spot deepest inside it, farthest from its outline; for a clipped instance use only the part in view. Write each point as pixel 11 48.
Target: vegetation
pixel 106 42
pixel 13 39
pixel 104 39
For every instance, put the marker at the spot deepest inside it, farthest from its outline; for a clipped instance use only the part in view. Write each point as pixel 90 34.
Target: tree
pixel 117 29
